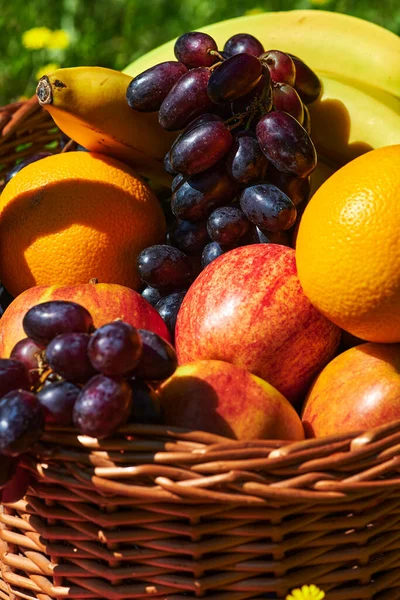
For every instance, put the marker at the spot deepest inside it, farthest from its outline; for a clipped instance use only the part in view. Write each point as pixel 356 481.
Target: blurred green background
pixel 112 33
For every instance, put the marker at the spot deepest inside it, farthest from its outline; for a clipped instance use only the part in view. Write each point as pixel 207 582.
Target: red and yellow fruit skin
pixel 358 390
pixel 221 398
pixel 248 308
pixel 105 302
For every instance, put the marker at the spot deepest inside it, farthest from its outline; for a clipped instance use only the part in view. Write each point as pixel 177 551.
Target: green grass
pixel 112 33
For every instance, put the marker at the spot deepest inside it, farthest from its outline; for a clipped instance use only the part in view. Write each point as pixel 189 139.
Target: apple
pixel 247 307
pixel 221 398
pixel 105 302
pixel 357 390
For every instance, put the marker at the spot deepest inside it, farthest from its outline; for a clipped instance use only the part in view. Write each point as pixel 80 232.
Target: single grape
pixel 151 294
pixel 201 147
pixel 192 49
pixel 147 90
pixel 243 42
pixel 26 161
pixel 146 406
pixel 189 237
pixel 28 352
pixel 272 237
pixel 103 405
pixel 177 181
pixel 5 299
pixel 168 308
pixel 21 422
pixel 17 487
pixel 8 466
pixel 260 95
pixel 297 188
pixel 197 197
pixel 287 99
pixel 58 400
pixel 13 376
pixel 186 100
pixel 226 225
pixel 245 161
pixel 67 355
pixel 158 359
pixel 280 65
pixel 164 267
pixel 46 320
pixel 306 119
pixel 286 144
pixel 268 207
pixel 234 77
pixel 307 83
pixel 168 164
pixel 115 348
pixel 210 253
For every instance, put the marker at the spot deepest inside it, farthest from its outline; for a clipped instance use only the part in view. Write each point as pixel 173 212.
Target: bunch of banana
pixel 359 109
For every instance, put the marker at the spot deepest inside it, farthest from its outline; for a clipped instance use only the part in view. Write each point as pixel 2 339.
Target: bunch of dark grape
pixel 67 373
pixel 241 161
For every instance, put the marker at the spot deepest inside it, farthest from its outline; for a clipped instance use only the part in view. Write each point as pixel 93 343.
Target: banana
pixel 324 169
pixel 334 44
pixel 88 104
pixel 347 121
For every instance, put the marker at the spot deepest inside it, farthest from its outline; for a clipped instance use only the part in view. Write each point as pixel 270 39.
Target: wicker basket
pixel 167 513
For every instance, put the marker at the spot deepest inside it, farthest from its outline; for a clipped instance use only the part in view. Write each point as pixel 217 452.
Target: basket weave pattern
pixel 173 514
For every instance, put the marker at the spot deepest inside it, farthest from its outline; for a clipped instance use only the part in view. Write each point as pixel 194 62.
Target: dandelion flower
pixel 58 40
pixel 254 11
pixel 307 592
pixel 36 38
pixel 46 69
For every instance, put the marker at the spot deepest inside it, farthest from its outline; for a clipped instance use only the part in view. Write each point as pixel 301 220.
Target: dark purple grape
pixel 147 91
pixel 201 147
pixel 21 422
pixel 243 42
pixel 158 359
pixel 200 194
pixel 58 400
pixel 192 49
pixel 115 348
pixel 44 321
pixel 168 308
pixel 272 237
pixel 186 100
pixel 287 99
pixel 17 487
pixel 280 65
pixel 306 119
pixel 286 144
pixel 210 253
pixel 5 299
pixel 245 161
pixel 164 267
pixel 177 182
pixel 307 83
pixel 25 162
pixel 28 352
pixel 297 188
pixel 234 77
pixel 8 466
pixel 102 406
pixel 268 207
pixel 67 355
pixel 189 237
pixel 168 164
pixel 260 95
pixel 226 225
pixel 152 295
pixel 146 406
pixel 13 376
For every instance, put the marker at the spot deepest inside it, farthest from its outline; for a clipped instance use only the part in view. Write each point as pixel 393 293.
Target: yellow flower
pixel 59 40
pixel 36 38
pixel 46 69
pixel 254 11
pixel 307 592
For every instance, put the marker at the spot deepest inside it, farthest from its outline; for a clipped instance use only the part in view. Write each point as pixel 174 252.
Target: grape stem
pixel 216 53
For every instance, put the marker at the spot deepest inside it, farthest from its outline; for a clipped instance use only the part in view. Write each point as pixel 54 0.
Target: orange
pixel 72 217
pixel 348 246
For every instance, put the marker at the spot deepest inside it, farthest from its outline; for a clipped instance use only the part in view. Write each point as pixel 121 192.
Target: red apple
pixel 248 308
pixel 359 389
pixel 218 397
pixel 105 302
